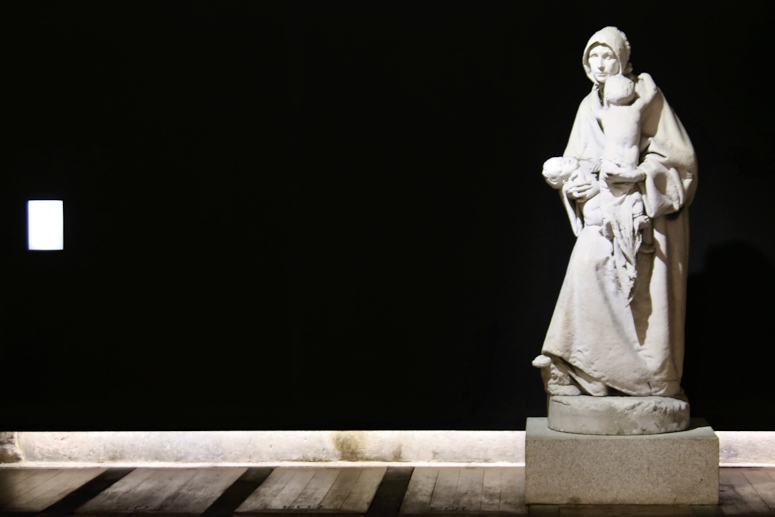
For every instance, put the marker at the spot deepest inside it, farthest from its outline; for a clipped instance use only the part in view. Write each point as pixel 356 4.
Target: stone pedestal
pixel 671 468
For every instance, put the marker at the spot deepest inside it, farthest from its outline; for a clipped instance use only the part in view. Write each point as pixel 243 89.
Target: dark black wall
pixel 319 215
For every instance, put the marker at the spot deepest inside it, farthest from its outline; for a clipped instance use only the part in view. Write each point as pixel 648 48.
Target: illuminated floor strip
pixel 311 448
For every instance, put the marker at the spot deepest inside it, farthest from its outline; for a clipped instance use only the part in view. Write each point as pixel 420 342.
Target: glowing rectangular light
pixel 45 225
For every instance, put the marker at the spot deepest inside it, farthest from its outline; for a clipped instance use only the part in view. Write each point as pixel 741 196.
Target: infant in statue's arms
pixel 566 172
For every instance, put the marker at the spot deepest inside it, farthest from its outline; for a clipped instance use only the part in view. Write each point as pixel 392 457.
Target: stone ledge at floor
pixel 255 448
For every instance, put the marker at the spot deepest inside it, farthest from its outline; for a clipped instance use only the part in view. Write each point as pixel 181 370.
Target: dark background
pixel 331 216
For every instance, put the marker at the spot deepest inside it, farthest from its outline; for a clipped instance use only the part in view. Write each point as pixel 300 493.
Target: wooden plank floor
pixel 348 492
pixel 466 490
pixel 747 491
pixel 32 490
pixel 175 491
pixel 315 490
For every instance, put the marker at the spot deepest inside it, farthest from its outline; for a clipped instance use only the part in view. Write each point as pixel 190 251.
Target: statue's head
pixel 560 167
pixel 619 90
pixel 607 53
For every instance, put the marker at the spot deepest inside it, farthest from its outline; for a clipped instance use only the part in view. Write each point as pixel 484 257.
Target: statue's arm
pixel 574 211
pixel 584 144
pixel 669 165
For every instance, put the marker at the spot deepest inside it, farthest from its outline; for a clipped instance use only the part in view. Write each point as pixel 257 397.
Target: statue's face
pixel 603 63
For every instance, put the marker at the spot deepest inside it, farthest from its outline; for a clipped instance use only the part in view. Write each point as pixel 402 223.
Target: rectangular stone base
pixel 670 468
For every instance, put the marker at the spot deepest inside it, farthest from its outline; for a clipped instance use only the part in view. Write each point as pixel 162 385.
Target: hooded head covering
pixel 614 39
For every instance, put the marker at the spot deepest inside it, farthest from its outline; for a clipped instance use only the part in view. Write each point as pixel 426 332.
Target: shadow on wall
pixel 729 339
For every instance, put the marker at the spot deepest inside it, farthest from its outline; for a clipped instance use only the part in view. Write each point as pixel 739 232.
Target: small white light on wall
pixel 45 225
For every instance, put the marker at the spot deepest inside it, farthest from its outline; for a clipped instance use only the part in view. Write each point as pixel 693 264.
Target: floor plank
pixel 297 482
pixel 237 492
pixel 110 498
pixel 316 490
pixel 418 495
pixel 202 490
pixel 322 490
pixel 446 487
pixel 262 498
pixel 340 489
pixel 763 483
pixel 38 489
pixel 16 482
pixel 180 491
pixel 544 510
pixel 466 490
pixel 737 496
pixel 89 490
pixel 707 510
pixel 390 494
pixel 624 510
pixel 10 477
pixel 491 490
pixel 363 491
pixel 513 490
pixel 469 490
pixel 140 491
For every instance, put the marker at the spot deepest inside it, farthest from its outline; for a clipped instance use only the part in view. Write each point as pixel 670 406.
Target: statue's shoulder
pixel 645 87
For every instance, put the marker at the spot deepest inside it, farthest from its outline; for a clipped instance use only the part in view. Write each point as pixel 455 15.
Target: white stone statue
pixel 626 179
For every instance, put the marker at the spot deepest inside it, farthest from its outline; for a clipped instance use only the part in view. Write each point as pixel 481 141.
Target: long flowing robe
pixel 636 348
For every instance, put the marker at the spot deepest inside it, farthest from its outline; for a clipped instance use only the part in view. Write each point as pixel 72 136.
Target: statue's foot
pixel 556 376
pixel 542 361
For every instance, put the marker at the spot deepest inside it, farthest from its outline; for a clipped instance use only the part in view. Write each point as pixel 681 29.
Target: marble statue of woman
pixel 614 333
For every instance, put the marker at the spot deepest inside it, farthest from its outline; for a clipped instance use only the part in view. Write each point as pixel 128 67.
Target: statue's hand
pixel 618 175
pixel 582 187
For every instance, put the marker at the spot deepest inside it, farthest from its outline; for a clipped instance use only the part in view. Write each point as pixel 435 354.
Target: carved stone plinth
pixel 583 414
pixel 670 468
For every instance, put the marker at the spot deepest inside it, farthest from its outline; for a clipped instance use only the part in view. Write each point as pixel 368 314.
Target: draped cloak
pixel 636 348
